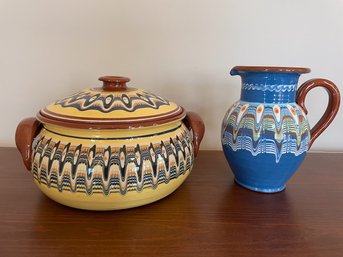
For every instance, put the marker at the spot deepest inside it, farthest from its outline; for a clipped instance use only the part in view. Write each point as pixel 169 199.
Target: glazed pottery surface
pixel 265 135
pixel 110 148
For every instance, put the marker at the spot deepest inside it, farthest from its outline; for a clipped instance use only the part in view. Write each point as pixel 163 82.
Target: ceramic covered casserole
pixel 111 147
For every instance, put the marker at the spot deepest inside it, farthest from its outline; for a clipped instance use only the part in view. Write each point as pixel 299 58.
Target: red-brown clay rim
pixel 236 69
pixel 110 124
pixel 49 114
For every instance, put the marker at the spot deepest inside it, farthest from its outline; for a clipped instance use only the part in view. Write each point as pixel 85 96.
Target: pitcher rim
pixel 235 70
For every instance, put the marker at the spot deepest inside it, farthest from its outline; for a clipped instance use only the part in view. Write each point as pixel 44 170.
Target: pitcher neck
pixel 269 84
pixel 269 87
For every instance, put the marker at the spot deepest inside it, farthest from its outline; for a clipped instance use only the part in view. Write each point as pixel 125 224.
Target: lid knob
pixel 114 83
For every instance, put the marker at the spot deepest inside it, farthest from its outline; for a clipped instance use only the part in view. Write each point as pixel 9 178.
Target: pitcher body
pixel 266 134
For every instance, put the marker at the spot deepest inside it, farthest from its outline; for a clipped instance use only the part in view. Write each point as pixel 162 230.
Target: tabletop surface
pixel 209 215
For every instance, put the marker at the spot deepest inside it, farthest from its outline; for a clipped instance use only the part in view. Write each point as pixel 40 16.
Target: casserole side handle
pixel 194 122
pixel 26 131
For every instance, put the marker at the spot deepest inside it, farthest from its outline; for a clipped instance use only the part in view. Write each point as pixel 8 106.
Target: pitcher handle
pixel 331 109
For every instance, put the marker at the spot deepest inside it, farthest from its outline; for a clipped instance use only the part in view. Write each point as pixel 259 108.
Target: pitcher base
pixel 262 189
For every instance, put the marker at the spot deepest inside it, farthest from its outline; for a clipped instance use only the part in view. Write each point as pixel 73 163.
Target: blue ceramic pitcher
pixel 265 135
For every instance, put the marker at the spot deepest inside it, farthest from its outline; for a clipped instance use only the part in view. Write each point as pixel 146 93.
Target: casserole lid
pixel 114 105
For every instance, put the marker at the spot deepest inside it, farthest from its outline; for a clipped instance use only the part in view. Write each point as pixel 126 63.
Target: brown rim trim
pixel 236 69
pixel 98 124
pixel 49 114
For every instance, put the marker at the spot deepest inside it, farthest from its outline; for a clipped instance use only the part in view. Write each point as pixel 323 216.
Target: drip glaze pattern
pixel 266 129
pixel 107 169
pixel 108 102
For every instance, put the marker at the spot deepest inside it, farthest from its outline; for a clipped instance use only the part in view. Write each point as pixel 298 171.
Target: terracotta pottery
pixel 110 148
pixel 265 135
